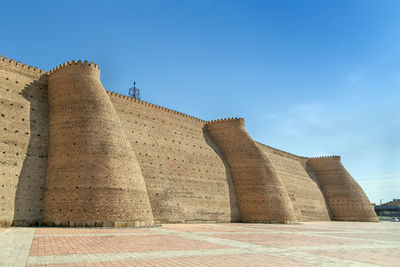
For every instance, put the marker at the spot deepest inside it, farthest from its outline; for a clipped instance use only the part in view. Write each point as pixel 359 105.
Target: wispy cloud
pixel 381 176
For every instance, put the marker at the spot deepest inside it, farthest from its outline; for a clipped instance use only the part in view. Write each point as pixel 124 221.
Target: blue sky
pixel 310 77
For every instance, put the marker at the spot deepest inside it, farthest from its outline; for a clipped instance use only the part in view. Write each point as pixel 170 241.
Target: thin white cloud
pixel 381 176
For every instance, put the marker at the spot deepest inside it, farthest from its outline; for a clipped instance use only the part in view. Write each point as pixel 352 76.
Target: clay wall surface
pixel 347 200
pixel 73 154
pixel 302 186
pixel 261 194
pixel 23 143
pixel 186 175
pixel 93 176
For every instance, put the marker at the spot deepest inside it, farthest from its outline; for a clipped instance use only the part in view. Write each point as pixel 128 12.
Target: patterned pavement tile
pixel 204 228
pixel 287 240
pixel 370 236
pixel 224 260
pixel 68 231
pixel 327 244
pixel 44 246
pixel 385 257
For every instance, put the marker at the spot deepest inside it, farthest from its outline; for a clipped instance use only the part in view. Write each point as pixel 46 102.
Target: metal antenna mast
pixel 134 91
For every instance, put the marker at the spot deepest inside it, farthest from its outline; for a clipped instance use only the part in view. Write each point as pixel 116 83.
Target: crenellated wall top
pixel 225 120
pixel 73 64
pixel 154 106
pixel 14 65
pixel 325 158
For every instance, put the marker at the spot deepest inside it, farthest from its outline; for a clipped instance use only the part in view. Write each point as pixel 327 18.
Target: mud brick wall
pixel 347 200
pixel 302 186
pixel 186 175
pixel 73 154
pixel 93 176
pixel 23 143
pixel 261 194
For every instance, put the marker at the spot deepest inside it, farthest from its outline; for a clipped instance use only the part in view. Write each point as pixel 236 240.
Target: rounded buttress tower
pixel 93 177
pixel 346 199
pixel 260 192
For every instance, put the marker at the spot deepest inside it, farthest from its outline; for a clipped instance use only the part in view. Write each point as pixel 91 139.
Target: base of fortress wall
pixel 23 143
pixel 303 189
pixel 347 200
pixel 261 194
pixel 186 175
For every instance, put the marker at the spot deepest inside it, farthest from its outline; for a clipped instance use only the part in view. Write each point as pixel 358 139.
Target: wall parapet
pixel 333 157
pixel 145 103
pixel 23 67
pixel 74 63
pixel 225 120
pixel 283 152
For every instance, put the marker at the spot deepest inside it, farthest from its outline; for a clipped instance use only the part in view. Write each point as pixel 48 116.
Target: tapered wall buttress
pixel 302 187
pixel 260 193
pixel 347 200
pixel 93 177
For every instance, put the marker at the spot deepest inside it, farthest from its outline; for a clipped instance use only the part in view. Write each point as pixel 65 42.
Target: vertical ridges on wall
pixel 346 199
pixel 93 177
pixel 261 194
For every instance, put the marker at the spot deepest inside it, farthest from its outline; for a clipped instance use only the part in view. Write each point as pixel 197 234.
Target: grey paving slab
pixel 15 245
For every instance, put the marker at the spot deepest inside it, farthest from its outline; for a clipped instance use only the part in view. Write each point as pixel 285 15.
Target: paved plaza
pixel 306 244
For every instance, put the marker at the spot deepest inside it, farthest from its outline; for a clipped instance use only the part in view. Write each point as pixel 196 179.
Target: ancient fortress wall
pixel 347 200
pixel 73 154
pixel 261 194
pixel 302 186
pixel 187 177
pixel 93 176
pixel 23 142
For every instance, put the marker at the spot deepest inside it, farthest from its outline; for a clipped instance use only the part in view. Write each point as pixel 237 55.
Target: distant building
pixel 389 209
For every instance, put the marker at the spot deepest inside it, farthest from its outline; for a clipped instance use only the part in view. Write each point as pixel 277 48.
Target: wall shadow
pixel 314 178
pixel 28 205
pixel 233 204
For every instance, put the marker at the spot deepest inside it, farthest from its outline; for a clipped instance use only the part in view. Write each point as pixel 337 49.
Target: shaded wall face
pixel 185 173
pixel 302 187
pixel 23 144
pixel 347 200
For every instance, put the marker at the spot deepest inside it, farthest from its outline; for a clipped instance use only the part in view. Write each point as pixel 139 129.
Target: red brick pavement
pixel 383 257
pixel 66 231
pixel 44 246
pixel 205 228
pixel 225 260
pixel 284 240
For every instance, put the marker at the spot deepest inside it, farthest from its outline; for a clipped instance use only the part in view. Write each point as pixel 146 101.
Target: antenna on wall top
pixel 134 91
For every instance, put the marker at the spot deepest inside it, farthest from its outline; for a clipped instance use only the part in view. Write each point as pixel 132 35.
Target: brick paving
pixel 385 257
pixel 287 240
pixel 306 244
pixel 45 246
